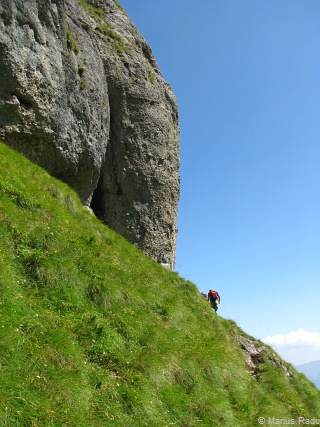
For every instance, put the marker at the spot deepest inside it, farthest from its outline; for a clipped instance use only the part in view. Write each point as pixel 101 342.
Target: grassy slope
pixel 93 333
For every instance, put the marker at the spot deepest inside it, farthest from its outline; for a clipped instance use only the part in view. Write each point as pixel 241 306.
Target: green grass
pixel 104 28
pixel 119 43
pixel 93 333
pixel 151 75
pixel 119 6
pixel 108 31
pixel 81 70
pixel 72 44
pixel 83 83
pixel 95 12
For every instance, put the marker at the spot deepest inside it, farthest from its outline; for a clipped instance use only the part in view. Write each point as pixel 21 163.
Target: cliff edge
pixel 82 96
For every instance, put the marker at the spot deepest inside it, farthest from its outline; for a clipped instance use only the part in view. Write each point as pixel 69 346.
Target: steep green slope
pixel 93 333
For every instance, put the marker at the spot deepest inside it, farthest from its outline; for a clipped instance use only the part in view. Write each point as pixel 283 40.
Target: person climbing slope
pixel 214 299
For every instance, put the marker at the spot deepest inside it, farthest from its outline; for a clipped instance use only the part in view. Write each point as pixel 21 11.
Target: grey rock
pixel 81 94
pixel 256 354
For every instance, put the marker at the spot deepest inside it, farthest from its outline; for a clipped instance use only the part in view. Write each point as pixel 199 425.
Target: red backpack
pixel 213 295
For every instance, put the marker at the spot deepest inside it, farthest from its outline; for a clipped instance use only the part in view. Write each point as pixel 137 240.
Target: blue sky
pixel 246 75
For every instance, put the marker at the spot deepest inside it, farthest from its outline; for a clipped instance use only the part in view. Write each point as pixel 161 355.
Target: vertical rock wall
pixel 82 96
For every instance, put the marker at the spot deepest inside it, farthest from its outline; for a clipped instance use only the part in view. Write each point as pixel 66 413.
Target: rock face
pixel 82 95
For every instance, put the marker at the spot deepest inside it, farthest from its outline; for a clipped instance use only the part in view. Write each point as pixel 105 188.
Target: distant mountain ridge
pixel 311 371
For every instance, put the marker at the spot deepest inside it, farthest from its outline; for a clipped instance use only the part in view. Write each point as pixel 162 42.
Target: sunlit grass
pixel 93 333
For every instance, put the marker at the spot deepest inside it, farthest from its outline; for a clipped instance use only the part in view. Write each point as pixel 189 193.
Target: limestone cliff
pixel 81 95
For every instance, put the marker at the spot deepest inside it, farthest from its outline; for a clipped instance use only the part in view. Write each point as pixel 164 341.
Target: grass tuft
pixel 95 12
pixel 72 43
pixel 119 6
pixel 119 43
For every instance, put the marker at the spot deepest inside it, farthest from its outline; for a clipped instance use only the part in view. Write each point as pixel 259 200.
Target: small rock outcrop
pixel 256 354
pixel 82 96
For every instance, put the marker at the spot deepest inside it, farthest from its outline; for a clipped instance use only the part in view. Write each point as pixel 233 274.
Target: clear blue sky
pixel 246 75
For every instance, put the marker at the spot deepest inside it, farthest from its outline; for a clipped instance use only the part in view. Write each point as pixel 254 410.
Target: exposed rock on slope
pixel 82 96
pixel 256 353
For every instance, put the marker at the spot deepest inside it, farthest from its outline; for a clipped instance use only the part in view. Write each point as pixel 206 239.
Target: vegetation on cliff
pixel 94 333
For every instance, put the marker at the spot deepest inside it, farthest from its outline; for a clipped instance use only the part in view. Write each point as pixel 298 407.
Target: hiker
pixel 214 299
